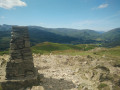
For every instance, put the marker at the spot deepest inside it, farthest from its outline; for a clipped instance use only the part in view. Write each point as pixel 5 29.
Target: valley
pixel 64 36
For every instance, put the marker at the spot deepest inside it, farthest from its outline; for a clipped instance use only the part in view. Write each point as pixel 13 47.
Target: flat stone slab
pixel 18 84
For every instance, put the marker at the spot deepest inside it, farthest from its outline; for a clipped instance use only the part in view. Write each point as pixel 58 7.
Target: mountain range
pixel 63 35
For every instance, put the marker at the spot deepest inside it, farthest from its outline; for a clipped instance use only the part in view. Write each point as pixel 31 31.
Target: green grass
pixel 80 49
pixel 72 52
pixel 110 51
pixel 114 51
pixel 102 85
pixel 48 47
pixel 4 52
pixel 110 54
pixel 0 87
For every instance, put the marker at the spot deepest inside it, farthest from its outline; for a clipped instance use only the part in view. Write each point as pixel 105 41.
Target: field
pixel 80 49
pixel 69 49
pixel 56 48
pixel 93 50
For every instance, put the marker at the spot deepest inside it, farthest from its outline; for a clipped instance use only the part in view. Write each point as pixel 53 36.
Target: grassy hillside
pixel 80 49
pixel 40 35
pixel 63 35
pixel 48 47
pixel 58 35
pixel 4 40
pixel 109 51
pixel 111 38
pixel 112 34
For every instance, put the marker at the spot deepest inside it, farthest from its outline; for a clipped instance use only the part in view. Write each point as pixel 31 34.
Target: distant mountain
pixel 112 34
pixel 112 37
pixel 63 35
pixel 36 36
pixel 86 33
pixel 75 33
pixel 101 32
pixel 5 27
pixel 40 35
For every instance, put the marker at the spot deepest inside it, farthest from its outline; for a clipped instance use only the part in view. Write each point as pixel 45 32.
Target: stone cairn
pixel 20 70
pixel 20 65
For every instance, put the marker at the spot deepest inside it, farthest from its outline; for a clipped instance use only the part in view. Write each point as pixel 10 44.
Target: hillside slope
pixel 100 71
pixel 48 47
pixel 86 33
pixel 112 37
pixel 63 35
pixel 40 34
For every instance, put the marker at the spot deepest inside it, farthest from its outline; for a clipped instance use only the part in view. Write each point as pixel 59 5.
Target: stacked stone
pixel 20 65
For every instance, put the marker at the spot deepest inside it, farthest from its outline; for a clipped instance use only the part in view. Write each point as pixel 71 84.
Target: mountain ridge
pixel 40 34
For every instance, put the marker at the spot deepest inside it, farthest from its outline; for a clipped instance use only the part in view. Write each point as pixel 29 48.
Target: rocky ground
pixel 3 61
pixel 64 72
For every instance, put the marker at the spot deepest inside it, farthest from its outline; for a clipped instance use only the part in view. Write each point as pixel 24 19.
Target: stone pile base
pixel 19 84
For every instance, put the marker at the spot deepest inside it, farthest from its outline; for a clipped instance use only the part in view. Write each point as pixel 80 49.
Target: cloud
pixel 104 24
pixel 2 17
pixel 8 4
pixel 103 5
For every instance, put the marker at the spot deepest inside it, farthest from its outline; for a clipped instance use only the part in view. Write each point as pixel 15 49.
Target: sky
pixel 101 15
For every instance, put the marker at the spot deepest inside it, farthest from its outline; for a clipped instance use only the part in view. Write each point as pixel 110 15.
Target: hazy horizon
pixel 65 28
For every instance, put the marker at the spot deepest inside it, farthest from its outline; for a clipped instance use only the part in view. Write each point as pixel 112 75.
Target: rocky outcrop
pixel 65 72
pixel 85 72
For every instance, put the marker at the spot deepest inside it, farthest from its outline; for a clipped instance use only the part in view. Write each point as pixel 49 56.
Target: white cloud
pixel 103 6
pixel 104 24
pixel 8 4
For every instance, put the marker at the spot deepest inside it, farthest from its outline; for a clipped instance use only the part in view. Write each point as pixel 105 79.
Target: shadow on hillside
pixel 54 84
pixel 41 84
